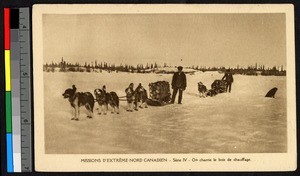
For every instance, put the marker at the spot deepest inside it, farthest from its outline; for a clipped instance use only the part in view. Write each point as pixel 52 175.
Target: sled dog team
pixel 136 98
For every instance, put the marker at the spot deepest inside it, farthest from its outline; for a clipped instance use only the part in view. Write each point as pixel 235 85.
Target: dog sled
pixel 219 86
pixel 159 93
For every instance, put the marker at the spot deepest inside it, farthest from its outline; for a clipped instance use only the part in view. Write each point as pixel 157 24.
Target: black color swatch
pixel 14 18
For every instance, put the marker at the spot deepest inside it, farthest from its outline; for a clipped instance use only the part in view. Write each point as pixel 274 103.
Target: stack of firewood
pixel 219 86
pixel 160 91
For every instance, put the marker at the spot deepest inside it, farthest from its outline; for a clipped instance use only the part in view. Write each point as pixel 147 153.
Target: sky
pixel 176 39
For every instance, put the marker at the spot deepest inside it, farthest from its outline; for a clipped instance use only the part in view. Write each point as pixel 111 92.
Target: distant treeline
pixel 64 66
pixel 250 70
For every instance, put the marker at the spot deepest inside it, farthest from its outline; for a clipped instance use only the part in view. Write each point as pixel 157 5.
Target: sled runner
pixel 159 93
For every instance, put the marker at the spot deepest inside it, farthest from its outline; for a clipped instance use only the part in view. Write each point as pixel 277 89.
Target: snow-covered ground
pixel 239 122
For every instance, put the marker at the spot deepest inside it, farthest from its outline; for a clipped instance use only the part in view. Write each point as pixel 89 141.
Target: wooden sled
pixel 153 102
pixel 159 93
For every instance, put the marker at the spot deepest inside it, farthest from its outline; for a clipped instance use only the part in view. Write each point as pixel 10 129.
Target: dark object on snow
pixel 159 93
pixel 219 86
pixel 211 93
pixel 153 102
pixel 272 93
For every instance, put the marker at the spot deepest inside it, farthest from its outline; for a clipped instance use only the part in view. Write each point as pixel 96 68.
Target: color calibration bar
pixel 8 104
pixel 17 87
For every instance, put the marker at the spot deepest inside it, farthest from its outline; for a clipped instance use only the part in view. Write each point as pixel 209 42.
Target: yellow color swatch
pixel 7 70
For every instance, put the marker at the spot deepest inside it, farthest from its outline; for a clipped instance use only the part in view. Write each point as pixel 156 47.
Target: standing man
pixel 178 83
pixel 229 80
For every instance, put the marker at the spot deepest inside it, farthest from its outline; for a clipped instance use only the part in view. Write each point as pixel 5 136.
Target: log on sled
pixel 219 86
pixel 159 93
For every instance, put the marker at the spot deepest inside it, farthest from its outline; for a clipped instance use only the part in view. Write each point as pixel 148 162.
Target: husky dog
pixel 130 97
pixel 104 98
pixel 78 99
pixel 141 97
pixel 202 90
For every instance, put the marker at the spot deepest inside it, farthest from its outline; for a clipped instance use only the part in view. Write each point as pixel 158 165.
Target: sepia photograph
pixel 163 82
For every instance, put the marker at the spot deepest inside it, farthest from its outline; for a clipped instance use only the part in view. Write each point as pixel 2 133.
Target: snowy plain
pixel 243 121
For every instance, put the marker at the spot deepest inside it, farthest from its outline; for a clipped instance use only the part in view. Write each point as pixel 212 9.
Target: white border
pixel 259 162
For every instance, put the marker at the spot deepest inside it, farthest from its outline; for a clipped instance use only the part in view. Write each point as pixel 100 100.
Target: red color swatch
pixel 6 28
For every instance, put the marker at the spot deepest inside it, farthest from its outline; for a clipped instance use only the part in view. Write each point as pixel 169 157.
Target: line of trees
pixel 64 66
pixel 96 66
pixel 249 70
